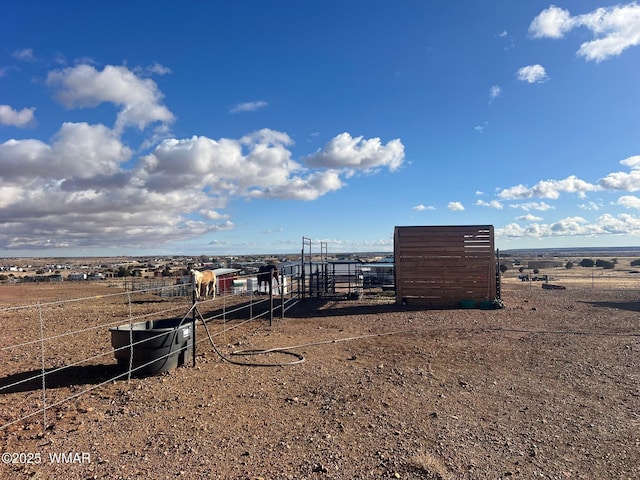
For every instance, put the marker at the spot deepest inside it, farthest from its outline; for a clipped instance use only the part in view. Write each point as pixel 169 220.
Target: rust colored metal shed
pixel 445 266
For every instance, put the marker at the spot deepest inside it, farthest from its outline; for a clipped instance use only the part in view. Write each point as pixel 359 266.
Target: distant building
pixel 76 277
pixel 544 264
pixel 225 278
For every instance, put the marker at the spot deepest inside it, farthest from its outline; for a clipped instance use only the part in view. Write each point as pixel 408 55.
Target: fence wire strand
pixel 44 341
pixel 42 356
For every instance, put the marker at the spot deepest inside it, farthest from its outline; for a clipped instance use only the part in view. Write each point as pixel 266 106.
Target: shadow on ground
pixel 633 306
pixel 60 377
pixel 318 307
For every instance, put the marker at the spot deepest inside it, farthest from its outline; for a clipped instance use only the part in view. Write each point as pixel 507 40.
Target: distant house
pixel 76 277
pixel 544 264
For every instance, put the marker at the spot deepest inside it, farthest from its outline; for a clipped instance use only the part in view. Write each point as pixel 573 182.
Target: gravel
pixel 546 387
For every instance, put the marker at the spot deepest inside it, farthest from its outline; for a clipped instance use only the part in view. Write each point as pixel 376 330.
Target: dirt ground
pixel 546 387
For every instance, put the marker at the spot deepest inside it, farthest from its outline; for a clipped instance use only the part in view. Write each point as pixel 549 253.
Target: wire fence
pixel 57 350
pixel 596 278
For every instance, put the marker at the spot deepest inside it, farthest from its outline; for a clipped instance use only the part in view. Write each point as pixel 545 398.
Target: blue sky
pixel 220 128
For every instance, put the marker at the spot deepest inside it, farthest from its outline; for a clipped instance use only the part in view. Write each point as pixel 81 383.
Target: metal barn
pixel 445 266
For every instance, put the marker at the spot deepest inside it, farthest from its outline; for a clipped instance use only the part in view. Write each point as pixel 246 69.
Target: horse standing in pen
pixel 266 274
pixel 206 279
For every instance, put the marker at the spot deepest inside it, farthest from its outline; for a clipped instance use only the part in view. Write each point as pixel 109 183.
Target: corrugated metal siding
pixel 441 265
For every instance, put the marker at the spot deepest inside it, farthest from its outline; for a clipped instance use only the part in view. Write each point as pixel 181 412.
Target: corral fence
pixel 164 286
pixel 49 360
pixel 337 279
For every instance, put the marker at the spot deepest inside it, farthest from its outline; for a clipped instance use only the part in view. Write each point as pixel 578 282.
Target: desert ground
pixel 546 387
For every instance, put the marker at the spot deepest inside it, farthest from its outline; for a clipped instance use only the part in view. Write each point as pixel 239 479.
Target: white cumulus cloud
pixel 627 181
pixel 345 151
pixel 550 189
pixel 86 188
pixel 529 218
pixel 552 22
pixel 422 208
pixel 614 28
pixel 574 227
pixel 492 204
pixel 258 165
pixel 213 215
pixel 303 188
pixel 591 206
pixel 532 74
pixel 139 99
pixel 528 206
pixel 629 201
pixel 15 118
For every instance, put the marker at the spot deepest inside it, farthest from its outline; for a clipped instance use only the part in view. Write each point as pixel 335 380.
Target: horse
pixel 266 274
pixel 204 279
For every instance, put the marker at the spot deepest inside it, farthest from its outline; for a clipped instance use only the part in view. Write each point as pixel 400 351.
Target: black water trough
pixel 158 345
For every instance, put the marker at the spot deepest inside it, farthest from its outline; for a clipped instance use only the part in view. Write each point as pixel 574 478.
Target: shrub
pixel 605 264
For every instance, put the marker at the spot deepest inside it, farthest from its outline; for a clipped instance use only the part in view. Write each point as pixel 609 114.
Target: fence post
pixel 193 325
pixel 301 279
pixel 271 300
pixel 44 388
pixel 130 337
pixel 281 280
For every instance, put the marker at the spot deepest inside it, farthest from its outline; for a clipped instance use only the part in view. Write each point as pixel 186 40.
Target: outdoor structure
pixel 378 275
pixel 445 266
pixel 224 279
pixel 544 264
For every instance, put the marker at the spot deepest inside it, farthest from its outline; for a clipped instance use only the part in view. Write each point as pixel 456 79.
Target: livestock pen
pixel 45 355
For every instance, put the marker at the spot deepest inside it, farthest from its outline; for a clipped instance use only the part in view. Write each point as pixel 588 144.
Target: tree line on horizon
pixel 585 262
